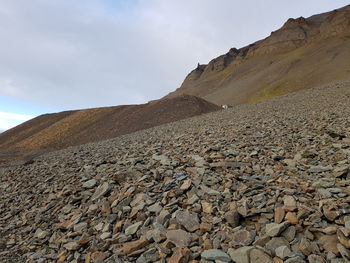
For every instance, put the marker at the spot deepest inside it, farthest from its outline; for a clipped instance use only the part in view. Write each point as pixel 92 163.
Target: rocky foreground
pixel 265 182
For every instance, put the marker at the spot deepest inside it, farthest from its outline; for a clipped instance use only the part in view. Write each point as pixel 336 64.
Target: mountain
pixel 60 130
pixel 303 53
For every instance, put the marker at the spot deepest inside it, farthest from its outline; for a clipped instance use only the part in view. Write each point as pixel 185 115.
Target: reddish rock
pixel 132 246
pixel 180 255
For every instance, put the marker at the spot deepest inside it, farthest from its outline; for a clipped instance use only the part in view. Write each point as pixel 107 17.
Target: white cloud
pixel 10 120
pixel 76 54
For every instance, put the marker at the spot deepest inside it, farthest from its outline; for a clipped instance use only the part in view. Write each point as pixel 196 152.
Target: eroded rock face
pixel 215 187
pixel 211 81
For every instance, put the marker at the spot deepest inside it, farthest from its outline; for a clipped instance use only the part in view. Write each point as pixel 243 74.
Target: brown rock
pixel 207 244
pixel 205 227
pixel 207 207
pixel 106 209
pixel 329 243
pixel 305 247
pixel 99 256
pixel 259 256
pixel 186 185
pixel 180 255
pixel 132 246
pixel 84 240
pixel 330 214
pixel 292 218
pixel 279 214
pixel 118 227
pixel 232 218
pixel 277 260
pixel 179 238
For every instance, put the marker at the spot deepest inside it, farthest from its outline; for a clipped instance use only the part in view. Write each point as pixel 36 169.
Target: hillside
pixel 247 185
pixel 303 53
pixel 60 130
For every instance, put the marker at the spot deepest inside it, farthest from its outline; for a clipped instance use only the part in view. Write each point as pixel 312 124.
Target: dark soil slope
pixel 60 130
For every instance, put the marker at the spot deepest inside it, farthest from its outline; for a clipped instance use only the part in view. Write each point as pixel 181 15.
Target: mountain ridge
pixel 281 63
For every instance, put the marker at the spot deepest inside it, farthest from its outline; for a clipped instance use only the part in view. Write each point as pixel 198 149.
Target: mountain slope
pixel 60 130
pixel 304 53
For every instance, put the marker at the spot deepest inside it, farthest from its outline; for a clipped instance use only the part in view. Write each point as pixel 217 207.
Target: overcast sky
pixel 60 54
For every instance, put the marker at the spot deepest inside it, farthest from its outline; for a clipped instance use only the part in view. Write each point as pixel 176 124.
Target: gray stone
pixel 188 220
pixel 89 184
pixel 295 260
pixel 215 254
pixel 101 190
pixel 240 255
pixel 273 229
pixel 130 230
pixel 282 252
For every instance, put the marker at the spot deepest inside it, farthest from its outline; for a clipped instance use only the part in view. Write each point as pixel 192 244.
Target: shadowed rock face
pixel 60 130
pixel 281 63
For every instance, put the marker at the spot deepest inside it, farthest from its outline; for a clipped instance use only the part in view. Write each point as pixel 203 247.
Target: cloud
pixel 77 54
pixel 10 120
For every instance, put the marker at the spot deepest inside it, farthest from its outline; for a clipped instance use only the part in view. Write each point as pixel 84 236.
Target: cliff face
pixel 303 53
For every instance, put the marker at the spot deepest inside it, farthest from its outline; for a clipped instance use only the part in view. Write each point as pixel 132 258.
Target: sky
pixel 59 55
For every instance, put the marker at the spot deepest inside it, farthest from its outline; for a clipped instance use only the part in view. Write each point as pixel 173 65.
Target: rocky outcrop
pixel 249 70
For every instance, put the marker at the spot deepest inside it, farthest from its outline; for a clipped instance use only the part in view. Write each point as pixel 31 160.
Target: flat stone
pixel 215 254
pixel 130 230
pixel 289 233
pixel 179 238
pixel 329 243
pixel 305 247
pixel 316 259
pixel 207 207
pixel 105 235
pixel 155 208
pixel 89 184
pixel 279 215
pixel 101 190
pixel 151 255
pixel 344 252
pixel 343 239
pixel 320 169
pixel 324 193
pixel 243 238
pixel 71 246
pixel 291 217
pixel 289 200
pixel 282 252
pixel 240 255
pixel 186 185
pixel 132 246
pixel 273 229
pixel 188 220
pixel 259 256
pixel 274 243
pixel 40 233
